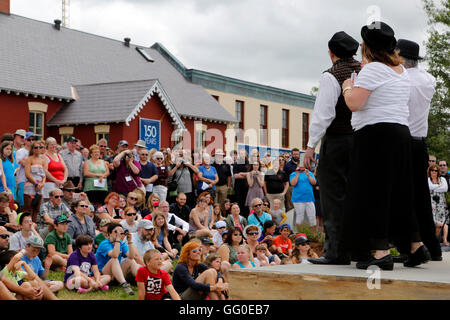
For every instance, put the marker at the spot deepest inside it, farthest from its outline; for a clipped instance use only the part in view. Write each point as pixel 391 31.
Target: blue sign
pixel 150 132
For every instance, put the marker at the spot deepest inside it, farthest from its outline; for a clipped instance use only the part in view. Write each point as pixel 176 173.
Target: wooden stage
pixel 429 281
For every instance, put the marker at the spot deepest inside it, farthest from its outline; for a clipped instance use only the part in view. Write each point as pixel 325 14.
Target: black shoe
pixel 436 258
pixel 385 263
pixel 400 258
pixel 323 260
pixel 420 256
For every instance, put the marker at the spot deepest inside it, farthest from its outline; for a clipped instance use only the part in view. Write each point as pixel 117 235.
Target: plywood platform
pixel 430 281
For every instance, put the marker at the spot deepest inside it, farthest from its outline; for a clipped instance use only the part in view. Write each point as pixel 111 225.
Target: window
pixel 305 130
pixel 102 136
pixel 101 132
pixel 239 108
pixel 37 124
pixel 285 128
pixel 263 125
pixel 200 135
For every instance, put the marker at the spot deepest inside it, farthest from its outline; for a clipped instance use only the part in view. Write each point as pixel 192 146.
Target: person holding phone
pixel 302 182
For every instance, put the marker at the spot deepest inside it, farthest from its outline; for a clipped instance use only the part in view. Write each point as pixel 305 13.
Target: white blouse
pixel 388 100
pixel 440 187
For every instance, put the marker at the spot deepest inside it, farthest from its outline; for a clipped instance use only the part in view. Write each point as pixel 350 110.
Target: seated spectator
pixel 216 215
pixel 58 243
pixel 214 261
pixel 80 265
pixel 103 228
pixel 180 208
pixel 80 222
pixel 49 211
pixel 130 222
pixel 140 202
pixel 8 217
pixel 243 254
pixel 30 256
pixel 132 201
pixel 116 258
pixel 122 201
pixel 221 226
pixel 19 239
pixel 259 216
pixel 68 190
pixel 282 241
pixel 228 250
pixel 111 211
pixel 175 224
pixel 226 207
pixel 251 235
pixel 162 235
pixel 96 172
pixel 153 282
pixel 154 198
pixel 234 219
pixel 198 218
pixel 5 294
pixel 267 235
pixel 207 247
pixel 127 172
pixel 278 215
pixel 302 251
pixel 261 259
pixel 4 242
pixel 194 280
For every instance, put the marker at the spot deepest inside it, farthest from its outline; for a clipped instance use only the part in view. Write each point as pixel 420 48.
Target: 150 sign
pixel 150 132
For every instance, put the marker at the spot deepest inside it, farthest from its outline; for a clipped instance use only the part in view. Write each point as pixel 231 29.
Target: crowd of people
pixel 176 222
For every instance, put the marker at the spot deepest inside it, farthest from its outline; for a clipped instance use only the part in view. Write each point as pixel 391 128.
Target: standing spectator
pixel 74 162
pixel 96 172
pixel 160 185
pixel 49 211
pixel 224 173
pixel 207 177
pixel 21 159
pixel 9 167
pixel 116 258
pixel 80 222
pixel 183 174
pixel 302 181
pixel 138 147
pixel 288 168
pixel 127 170
pixel 240 168
pixel 255 181
pixel 443 166
pixel 19 239
pixel 235 219
pixel 276 184
pixel 149 173
pixel 58 243
pixel 35 167
pixel 438 187
pixel 259 217
pixel 153 282
pixel 122 146
pixel 18 140
pixel 8 217
pixel 180 208
pixel 431 160
pixel 56 170
pixel 80 265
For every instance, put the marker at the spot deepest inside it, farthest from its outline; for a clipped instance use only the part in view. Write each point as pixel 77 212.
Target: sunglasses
pixel 237 234
pixel 40 147
pixel 133 198
pixel 257 205
pixel 132 214
pixel 69 190
pixel 434 170
pixel 121 233
pixel 144 154
pixel 252 233
pixel 30 139
pixel 83 206
pixel 102 146
pixel 4 236
pixel 197 250
pixel 159 158
pixel 57 197
pixel 442 165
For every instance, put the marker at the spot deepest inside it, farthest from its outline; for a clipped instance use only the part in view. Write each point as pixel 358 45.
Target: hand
pixel 39 186
pixel 129 237
pixel 307 173
pixel 48 263
pixel 18 265
pixel 363 63
pixel 79 186
pixel 309 157
pixel 347 83
pixel 83 196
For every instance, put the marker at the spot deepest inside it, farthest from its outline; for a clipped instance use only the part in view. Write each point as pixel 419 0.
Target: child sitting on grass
pixel 153 282
pixel 58 243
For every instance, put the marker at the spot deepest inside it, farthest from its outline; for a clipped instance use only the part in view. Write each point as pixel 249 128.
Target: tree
pixel 438 58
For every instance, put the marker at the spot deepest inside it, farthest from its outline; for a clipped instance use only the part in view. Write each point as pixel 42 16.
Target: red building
pixel 58 82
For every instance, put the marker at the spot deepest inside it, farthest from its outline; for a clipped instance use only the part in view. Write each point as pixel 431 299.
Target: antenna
pixel 66 13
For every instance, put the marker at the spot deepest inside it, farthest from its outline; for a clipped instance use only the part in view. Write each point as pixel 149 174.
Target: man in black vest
pixel 331 123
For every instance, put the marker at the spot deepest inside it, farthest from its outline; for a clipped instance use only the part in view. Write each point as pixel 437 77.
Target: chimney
pixel 57 24
pixel 5 6
pixel 127 41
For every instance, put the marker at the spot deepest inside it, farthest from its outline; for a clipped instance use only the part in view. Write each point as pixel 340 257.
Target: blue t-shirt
pixel 84 263
pixel 264 217
pixel 208 174
pixel 105 247
pixel 303 190
pixel 148 171
pixel 35 264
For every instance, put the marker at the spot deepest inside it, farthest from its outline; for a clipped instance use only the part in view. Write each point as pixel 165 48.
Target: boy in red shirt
pixel 282 242
pixel 154 283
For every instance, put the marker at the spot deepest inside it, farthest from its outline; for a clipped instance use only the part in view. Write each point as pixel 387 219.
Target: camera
pixel 126 232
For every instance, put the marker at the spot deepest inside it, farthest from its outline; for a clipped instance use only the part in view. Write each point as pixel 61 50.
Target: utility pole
pixel 66 13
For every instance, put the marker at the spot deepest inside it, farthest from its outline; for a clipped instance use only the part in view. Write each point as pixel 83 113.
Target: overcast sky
pixel 281 43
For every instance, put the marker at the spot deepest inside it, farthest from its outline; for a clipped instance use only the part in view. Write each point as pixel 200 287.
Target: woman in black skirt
pixel 379 203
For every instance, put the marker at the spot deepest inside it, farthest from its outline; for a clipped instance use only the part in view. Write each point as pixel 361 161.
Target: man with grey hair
pixel 259 217
pixel 421 92
pixel 50 210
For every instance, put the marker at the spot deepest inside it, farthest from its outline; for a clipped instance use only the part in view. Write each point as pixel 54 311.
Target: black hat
pixel 379 36
pixel 342 45
pixel 408 49
pixel 72 139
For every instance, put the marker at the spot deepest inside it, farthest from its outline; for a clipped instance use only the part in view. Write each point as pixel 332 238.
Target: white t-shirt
pixel 22 153
pixel 388 100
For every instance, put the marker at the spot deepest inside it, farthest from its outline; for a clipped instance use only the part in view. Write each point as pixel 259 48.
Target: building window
pixel 263 125
pixel 101 132
pixel 200 135
pixel 37 124
pixel 285 128
pixel 239 113
pixel 100 136
pixel 305 130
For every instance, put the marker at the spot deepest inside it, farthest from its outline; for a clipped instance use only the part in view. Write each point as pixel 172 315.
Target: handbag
pixel 37 198
pixel 172 186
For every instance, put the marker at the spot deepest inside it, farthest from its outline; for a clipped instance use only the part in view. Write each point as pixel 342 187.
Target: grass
pixel 115 291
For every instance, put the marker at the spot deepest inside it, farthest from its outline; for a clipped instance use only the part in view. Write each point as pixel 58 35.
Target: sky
pixel 280 43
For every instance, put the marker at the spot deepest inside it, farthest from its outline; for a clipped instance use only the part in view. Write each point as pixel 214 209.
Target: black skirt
pixel 379 206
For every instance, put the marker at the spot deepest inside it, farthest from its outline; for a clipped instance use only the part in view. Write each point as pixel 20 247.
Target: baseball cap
pixel 206 241
pixel 35 241
pixel 285 225
pixel 29 134
pixel 301 238
pixel 60 219
pixel 123 143
pixel 146 224
pixel 72 139
pixel 221 224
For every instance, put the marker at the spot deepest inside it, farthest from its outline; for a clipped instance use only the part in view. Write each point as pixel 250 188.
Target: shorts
pixel 302 208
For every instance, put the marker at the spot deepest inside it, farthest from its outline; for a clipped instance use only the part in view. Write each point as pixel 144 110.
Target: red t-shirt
pixel 283 244
pixel 155 284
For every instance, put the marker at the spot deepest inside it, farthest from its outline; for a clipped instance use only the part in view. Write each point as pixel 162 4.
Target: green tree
pixel 438 58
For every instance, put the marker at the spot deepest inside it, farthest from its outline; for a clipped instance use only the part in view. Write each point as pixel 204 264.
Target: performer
pixel 421 93
pixel 331 121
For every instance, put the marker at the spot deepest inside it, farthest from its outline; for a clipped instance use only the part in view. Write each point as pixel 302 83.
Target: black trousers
pixel 422 199
pixel 333 171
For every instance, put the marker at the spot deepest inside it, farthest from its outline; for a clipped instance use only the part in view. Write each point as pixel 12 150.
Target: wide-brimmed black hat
pixel 343 45
pixel 379 36
pixel 408 49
